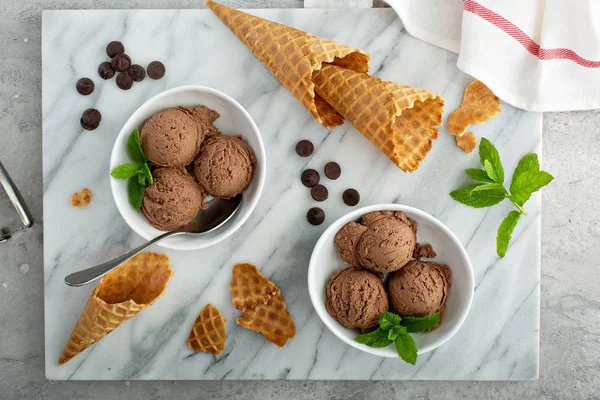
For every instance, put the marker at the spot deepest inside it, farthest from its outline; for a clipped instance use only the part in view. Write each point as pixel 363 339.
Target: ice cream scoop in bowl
pixel 326 263
pixel 158 210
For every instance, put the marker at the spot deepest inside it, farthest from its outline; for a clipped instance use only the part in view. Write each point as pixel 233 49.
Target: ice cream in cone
pixel 292 56
pixel 400 120
pixel 120 295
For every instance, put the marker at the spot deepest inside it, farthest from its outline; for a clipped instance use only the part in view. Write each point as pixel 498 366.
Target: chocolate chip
pixel 137 72
pixel 90 119
pixel 124 81
pixel 156 70
pixel 319 193
pixel 333 170
pixel 121 62
pixel 310 178
pixel 85 86
pixel 305 148
pixel 115 47
pixel 105 70
pixel 351 197
pixel 315 216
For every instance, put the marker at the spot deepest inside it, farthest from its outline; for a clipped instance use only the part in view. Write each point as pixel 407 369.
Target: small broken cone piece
pixel 399 120
pixel 262 304
pixel 479 105
pixel 121 294
pixel 292 56
pixel 208 332
pixel 467 142
pixel 81 198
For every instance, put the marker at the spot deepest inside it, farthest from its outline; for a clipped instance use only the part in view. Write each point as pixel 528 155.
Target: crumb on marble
pixel 81 198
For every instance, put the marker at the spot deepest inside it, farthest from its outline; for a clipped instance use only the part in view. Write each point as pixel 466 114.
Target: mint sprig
pixel 139 174
pixel 395 329
pixel 526 180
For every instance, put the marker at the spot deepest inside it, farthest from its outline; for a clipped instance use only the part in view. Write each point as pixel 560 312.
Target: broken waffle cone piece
pixel 400 120
pixel 467 142
pixel 121 294
pixel 271 319
pixel 208 332
pixel 249 288
pixel 479 105
pixel 292 56
pixel 262 304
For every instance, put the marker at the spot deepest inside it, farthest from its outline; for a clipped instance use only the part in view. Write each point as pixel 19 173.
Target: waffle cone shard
pixel 479 105
pixel 208 333
pixel 120 295
pixel 400 120
pixel 249 288
pixel 292 56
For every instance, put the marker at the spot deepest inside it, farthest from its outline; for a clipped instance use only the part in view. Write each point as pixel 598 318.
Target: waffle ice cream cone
pixel 120 295
pixel 208 332
pixel 400 120
pixel 292 56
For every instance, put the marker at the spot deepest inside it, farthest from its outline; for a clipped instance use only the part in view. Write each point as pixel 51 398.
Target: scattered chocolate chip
pixel 124 81
pixel 121 62
pixel 315 216
pixel 115 47
pixel 423 251
pixel 105 70
pixel 310 178
pixel 90 119
pixel 85 86
pixel 305 148
pixel 333 170
pixel 137 72
pixel 319 193
pixel 156 70
pixel 351 197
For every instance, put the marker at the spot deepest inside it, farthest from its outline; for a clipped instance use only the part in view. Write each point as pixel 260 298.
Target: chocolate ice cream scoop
pixel 173 199
pixel 171 138
pixel 356 298
pixel 346 239
pixel 388 243
pixel 225 166
pixel 419 289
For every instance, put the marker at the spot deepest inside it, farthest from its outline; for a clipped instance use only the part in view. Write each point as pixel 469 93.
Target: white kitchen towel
pixel 539 55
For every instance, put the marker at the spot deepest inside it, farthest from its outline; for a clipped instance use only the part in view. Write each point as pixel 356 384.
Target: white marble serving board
pixel 500 338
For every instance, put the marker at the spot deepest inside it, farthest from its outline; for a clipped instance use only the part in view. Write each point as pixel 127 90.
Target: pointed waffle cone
pixel 249 288
pixel 292 56
pixel 398 119
pixel 271 319
pixel 208 332
pixel 120 295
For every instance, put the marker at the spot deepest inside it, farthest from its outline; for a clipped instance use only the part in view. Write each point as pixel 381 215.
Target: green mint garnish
pixel 395 329
pixel 139 174
pixel 526 180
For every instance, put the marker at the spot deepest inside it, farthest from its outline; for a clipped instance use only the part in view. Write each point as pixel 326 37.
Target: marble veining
pixel 499 339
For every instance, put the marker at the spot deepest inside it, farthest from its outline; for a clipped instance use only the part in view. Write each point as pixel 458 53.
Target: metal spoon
pixel 218 212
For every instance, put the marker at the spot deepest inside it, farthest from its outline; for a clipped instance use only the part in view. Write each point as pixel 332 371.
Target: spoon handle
pixel 86 276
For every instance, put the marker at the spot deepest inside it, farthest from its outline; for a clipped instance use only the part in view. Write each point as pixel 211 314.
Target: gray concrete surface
pixel 570 324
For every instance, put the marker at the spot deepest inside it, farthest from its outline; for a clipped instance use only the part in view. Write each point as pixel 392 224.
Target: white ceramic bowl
pixel 325 262
pixel 234 119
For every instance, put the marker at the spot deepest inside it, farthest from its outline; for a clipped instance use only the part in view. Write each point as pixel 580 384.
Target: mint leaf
pixel 148 174
pixel 377 338
pixel 134 148
pixel 487 152
pixel 416 324
pixel 388 320
pixel 396 331
pixel 136 193
pixel 524 185
pixel 528 163
pixel 142 179
pixel 407 348
pixel 488 186
pixel 125 171
pixel 505 232
pixel 478 199
pixel 478 175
